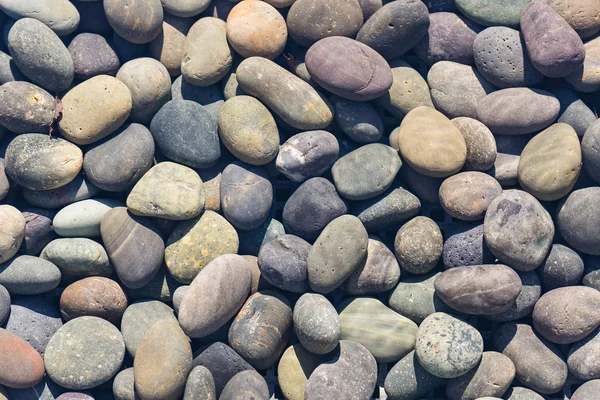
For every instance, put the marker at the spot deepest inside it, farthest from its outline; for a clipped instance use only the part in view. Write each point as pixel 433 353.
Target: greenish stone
pixel 493 12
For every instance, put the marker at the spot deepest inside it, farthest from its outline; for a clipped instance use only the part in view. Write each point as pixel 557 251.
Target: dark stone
pixel 576 220
pixel 574 111
pixel 562 267
pixel 137 21
pixel 426 188
pixel 128 51
pixel 93 55
pixel 26 108
pixel 282 263
pixel 252 241
pixel 246 385
pixel 407 379
pixel 38 230
pixel 359 120
pixel 209 97
pixel 531 291
pixel 78 189
pixel 590 150
pixel 389 209
pixel 92 18
pixel 465 246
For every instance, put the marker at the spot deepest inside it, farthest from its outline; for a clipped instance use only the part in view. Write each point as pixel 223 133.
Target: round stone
pixel 523 306
pixel 430 143
pixel 491 13
pixel 467 195
pixel 294 368
pixel 20 365
pixel 78 258
pixel 407 379
pixel 246 385
pixel 84 353
pixel 29 275
pixel 575 218
pixel 316 323
pixel 518 230
pixel 169 45
pixel 359 120
pixel 93 55
pixel 136 21
pixel 12 231
pixel 40 54
pixel 168 190
pixel 282 263
pixel 311 20
pixel 94 109
pixel 479 289
pixel 195 243
pixel 256 28
pixel 419 245
pixel 123 386
pixel 378 273
pixel 481 144
pixel 562 267
pixel 186 133
pixel 248 130
pixel 82 219
pixel 395 28
pixel 78 189
pixel 447 347
pixel 96 297
pixel 61 16
pixel 464 245
pixel 27 108
pixel 348 68
pixel 38 162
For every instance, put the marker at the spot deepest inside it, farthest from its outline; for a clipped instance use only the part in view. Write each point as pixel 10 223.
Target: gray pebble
pixel 139 318
pixel 38 230
pixel 316 323
pixel 136 21
pixel 210 97
pixel 408 380
pixel 590 149
pixel 562 267
pixel 359 120
pixel 78 189
pixel 575 218
pixel 200 385
pixel 481 144
pixel 246 385
pixel 584 355
pixel 123 385
pixel 83 218
pixel 283 263
pixel 78 258
pixel 574 111
pixel 29 275
pixel 531 290
pixel 252 241
pixel 389 209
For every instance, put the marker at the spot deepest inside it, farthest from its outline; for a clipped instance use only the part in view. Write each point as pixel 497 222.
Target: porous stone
pixel 481 144
pixel 12 231
pixel 20 365
pixel 61 16
pixel 78 189
pixel 408 380
pixel 83 218
pixel 27 108
pixel 575 219
pixel 136 21
pixel 562 267
pixel 467 195
pixel 246 385
pixel 283 263
pixel 78 258
pixel 491 13
pixel 96 297
pixel 139 317
pixel 464 245
pixel 93 55
pixel 378 273
pixel 531 290
pixel 316 323
pixel 29 275
pixel 419 245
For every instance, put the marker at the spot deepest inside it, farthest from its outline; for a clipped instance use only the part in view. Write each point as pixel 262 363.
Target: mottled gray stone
pixel 359 120
pixel 27 108
pixel 419 245
pixel 123 385
pixel 389 209
pixel 583 357
pixel 200 385
pixel 38 230
pixel 531 291
pixel 316 323
pixel 136 21
pixel 29 275
pixel 78 189
pixel 491 12
pixel 408 380
pixel 283 263
pixel 4 304
pixel 78 258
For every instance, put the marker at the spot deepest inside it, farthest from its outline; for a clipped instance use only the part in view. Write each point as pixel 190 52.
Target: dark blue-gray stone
pixel 531 291
pixel 8 70
pixel 252 241
pixel 4 304
pixel 389 209
pixel 590 151
pixel 282 263
pixel 38 230
pixel 562 267
pixel 574 111
pixel 465 246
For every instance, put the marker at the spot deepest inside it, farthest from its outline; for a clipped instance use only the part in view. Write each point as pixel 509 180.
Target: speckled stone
pixel 138 318
pixel 389 209
pixel 38 162
pixel 408 380
pixel 582 15
pixel 40 54
pixel 34 320
pixel 387 335
pixel 29 275
pixel 20 365
pixel 537 363
pixel 464 245
pixel 575 216
pixel 168 46
pixel 562 267
pixel 352 372
pixel 518 230
pixel 137 21
pixel 447 347
pixel 162 362
pixel 587 391
pixel 585 79
pixel 246 385
pixel 83 218
pixel 419 245
pixel 186 133
pixel 531 291
pixel 294 368
pixel 134 246
pixel 76 190
pixel 583 357
pixel 490 12
pixel 481 144
pixel 12 231
pixel 360 121
pixel 78 258
pixel 185 8
pixel 467 195
pixel 200 385
pixel 27 108
pixel 97 339
pixel 316 323
pixel 94 296
pixel 378 273
pixel 93 55
pixel 395 28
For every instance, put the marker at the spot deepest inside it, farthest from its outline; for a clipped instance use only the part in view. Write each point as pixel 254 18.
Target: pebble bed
pixel 299 199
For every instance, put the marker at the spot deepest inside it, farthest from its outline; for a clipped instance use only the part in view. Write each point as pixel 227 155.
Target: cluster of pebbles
pixel 195 192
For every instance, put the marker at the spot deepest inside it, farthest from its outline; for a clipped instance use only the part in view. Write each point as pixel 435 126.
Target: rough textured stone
pixel 360 121
pixel 408 380
pixel 200 385
pixel 531 291
pixel 562 267
pixel 83 218
pixel 316 323
pixel 12 231
pixel 518 230
pixel 97 339
pixel 447 347
pixel 27 108
pixel 575 219
pixel 464 245
pixel 378 273
pixel 582 15
pixel 246 385
pixel 481 144
pixel 78 258
pixel 491 12
pixel 283 263
pixel 419 245
pixel 138 318
pixel 136 21
pixel 466 196
pixel 134 246
pixel 93 55
pixel 29 275
pixel 61 16
pixel 554 47
pixel 78 189
pixel 96 297
pixel 20 365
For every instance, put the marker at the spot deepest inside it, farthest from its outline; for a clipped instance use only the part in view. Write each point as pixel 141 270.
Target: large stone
pixel 467 195
pixel 27 108
pixel 20 365
pixel 61 16
pixel 12 231
pixel 136 21
pixel 29 275
pixel 316 323
pixel 283 263
pixel 246 385
pixel 139 317
pixel 491 12
pixel 96 297
pixel 419 245
pixel 294 368
pixel 83 218
pixel 575 219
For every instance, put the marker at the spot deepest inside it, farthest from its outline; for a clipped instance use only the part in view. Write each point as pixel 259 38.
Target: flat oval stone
pixel 256 28
pixel 186 133
pixel 464 245
pixel 78 189
pixel 419 245
pixel 583 357
pixel 94 109
pixel 316 323
pixel 352 364
pixel 294 368
pixel 185 8
pixel 467 195
pixel 481 144
pixel 291 98
pixel 447 347
pixel 582 15
pixel 395 28
pixel 337 253
pixel 585 79
pixel 378 273
pixel 46 389
pixel 168 190
pixel 518 230
pixel 248 130
pixel 38 162
pixel 83 218
pixel 387 335
pixel 537 362
pixel 162 362
pixel 550 163
pixel 123 386
pixel 78 258
pixel 457 89
pixel 555 49
pixel 136 21
pixel 96 297
pixel 360 121
pixel 20 365
pixel 97 339
pixel 491 13
pixel 246 385
pixel 575 217
pixel 587 390
pixel 311 20
pixel 4 184
pixel 200 385
pixel 8 70
pixel 61 16
pixel 389 209
pixel 283 263
pixel 523 306
pixel 202 312
pixel 568 314
pixel 260 331
pixel 501 57
pixel 139 317
pixel 518 111
pixel 479 289
pixel 407 379
pixel 348 68
pixel 134 246
pixel 449 38
pixel 29 275
pixel 118 162
pixel 430 143
pixel 490 378
pixel 27 108
pixel 34 320
pixel 93 55
pixel 40 54
pixel 307 154
pixel 168 46
pixel 12 231
pixel 195 243
pixel 150 85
